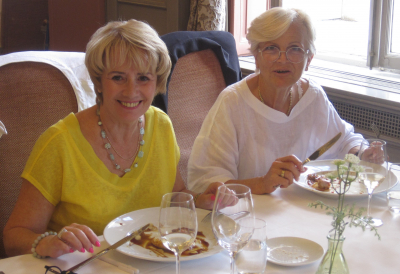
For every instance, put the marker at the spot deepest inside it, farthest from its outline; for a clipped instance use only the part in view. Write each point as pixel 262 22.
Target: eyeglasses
pixel 294 54
pixel 56 270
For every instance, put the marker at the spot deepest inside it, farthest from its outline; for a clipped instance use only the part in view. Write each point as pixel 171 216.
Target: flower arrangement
pixel 347 171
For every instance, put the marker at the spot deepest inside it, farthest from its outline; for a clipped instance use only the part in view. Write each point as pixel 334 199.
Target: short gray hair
pixel 271 24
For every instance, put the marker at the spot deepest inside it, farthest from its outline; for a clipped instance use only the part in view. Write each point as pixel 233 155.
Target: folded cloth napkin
pixel 2 129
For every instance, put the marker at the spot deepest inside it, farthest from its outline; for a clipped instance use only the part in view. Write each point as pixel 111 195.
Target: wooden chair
pixel 204 63
pixel 33 96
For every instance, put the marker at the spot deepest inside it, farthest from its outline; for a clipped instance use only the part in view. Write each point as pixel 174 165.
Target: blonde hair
pixel 271 24
pixel 130 42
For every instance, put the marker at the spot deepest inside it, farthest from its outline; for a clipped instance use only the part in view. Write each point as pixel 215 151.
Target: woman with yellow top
pixel 115 157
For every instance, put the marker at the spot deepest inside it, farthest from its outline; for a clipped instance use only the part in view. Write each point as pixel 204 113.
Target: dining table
pixel 287 214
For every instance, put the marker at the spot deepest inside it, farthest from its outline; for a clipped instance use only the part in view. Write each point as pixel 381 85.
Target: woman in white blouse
pixel 260 129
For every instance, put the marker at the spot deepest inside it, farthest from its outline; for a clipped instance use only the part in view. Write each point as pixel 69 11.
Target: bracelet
pixel 36 242
pixel 195 198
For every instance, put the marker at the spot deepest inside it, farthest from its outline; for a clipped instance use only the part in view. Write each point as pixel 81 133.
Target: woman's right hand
pixel 281 174
pixel 373 153
pixel 76 237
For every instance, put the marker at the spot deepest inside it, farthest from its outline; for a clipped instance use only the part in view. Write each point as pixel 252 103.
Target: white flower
pixel 357 169
pixel 331 175
pixel 351 158
pixel 338 162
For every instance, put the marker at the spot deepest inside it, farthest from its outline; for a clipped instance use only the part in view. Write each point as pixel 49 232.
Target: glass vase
pixel 333 261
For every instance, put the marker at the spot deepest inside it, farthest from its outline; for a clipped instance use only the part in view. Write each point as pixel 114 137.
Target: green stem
pixel 339 219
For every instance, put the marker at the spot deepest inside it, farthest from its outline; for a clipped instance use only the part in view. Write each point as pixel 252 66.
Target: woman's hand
pixel 70 238
pixel 207 198
pixel 281 174
pixel 374 153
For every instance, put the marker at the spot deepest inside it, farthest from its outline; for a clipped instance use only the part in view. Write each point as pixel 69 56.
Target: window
pixel 352 32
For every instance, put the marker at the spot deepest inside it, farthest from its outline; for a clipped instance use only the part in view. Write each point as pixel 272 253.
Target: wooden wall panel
pixel 163 15
pixel 72 23
pixel 21 25
pixel 156 17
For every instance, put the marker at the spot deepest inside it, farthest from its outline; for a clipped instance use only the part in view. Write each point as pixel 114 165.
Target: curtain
pixel 207 15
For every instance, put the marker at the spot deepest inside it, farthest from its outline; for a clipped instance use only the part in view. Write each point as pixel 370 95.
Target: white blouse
pixel 241 137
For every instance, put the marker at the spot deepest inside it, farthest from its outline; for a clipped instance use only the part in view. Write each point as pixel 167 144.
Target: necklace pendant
pixel 108 145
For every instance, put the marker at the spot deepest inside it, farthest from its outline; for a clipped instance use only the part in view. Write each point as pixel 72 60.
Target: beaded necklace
pixel 107 145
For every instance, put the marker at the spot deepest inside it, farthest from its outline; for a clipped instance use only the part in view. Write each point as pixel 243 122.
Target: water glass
pixel 393 201
pixel 253 257
pixel 232 218
pixel 393 197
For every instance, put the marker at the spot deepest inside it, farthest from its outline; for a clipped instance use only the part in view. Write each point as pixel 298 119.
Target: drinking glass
pixel 373 151
pixel 177 223
pixel 393 196
pixel 252 259
pixel 232 218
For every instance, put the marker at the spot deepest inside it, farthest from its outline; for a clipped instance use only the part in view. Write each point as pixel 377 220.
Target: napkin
pixel 108 258
pixel 2 129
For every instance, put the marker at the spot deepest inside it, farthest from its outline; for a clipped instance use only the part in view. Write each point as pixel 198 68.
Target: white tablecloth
pixel 287 214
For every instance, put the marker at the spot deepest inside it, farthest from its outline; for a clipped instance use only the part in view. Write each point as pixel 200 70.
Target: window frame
pixel 386 59
pixel 378 57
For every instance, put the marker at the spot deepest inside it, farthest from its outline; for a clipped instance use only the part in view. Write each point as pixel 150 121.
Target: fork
pixel 375 129
pixel 238 215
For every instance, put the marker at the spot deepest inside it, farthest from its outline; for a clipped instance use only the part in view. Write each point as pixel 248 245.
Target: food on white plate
pixel 150 239
pixel 319 182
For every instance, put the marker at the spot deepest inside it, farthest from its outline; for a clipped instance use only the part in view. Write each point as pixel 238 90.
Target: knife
pixel 101 253
pixel 322 149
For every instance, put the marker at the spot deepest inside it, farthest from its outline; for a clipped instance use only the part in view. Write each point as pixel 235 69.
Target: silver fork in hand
pixel 375 129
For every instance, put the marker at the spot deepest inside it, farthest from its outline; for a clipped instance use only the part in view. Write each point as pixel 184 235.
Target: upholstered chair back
pixel 192 91
pixel 33 96
pixel 203 64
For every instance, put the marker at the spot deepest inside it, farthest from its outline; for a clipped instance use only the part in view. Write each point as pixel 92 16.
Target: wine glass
pixel 177 223
pixel 373 151
pixel 233 218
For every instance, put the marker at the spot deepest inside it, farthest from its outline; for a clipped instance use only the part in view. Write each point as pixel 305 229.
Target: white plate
pixel 356 190
pixel 121 226
pixel 293 251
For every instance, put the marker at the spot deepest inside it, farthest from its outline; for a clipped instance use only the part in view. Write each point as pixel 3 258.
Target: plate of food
pixel 148 246
pixel 315 180
pixel 293 251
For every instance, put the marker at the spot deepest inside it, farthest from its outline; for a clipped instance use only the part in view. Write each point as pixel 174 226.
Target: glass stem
pixel 369 202
pixel 232 259
pixel 178 263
